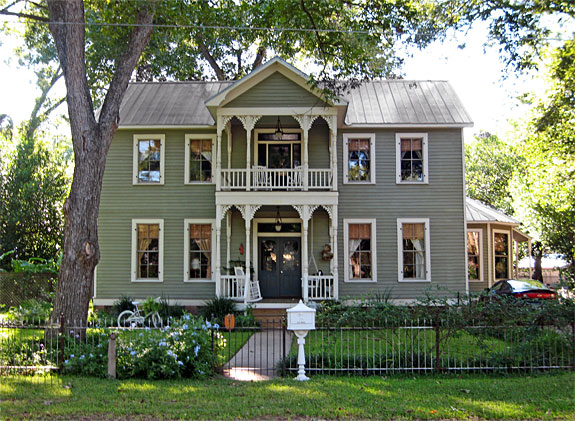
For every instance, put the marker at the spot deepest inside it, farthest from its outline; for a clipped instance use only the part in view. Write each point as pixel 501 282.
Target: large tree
pixel 340 37
pixel 546 193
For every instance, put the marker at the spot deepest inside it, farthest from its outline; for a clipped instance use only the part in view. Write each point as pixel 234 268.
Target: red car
pixel 525 289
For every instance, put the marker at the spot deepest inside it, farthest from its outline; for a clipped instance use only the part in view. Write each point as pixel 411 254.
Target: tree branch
pixel 260 56
pixel 205 52
pixel 310 17
pixel 125 64
pixel 24 15
pixel 35 120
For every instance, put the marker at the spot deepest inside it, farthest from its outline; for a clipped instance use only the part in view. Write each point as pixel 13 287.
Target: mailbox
pixel 301 319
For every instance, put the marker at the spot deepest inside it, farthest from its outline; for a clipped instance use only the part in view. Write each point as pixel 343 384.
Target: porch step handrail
pixel 321 287
pixel 233 287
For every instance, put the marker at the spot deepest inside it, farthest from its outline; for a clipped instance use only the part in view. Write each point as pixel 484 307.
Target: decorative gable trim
pixel 258 75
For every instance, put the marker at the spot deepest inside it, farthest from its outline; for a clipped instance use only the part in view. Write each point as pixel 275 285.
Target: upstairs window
pixel 359 158
pixel 149 159
pixel 413 250
pixel 411 158
pixel 199 168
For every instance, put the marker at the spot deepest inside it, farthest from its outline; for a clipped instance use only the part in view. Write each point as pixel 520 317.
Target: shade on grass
pixel 428 397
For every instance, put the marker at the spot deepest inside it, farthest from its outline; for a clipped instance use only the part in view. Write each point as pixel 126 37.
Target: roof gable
pixel 275 65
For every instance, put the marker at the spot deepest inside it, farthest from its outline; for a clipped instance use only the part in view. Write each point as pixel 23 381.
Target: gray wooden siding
pixel 441 201
pixel 173 202
pixel 276 91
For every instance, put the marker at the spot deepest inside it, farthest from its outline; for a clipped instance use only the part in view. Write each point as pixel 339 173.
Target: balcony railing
pixel 261 178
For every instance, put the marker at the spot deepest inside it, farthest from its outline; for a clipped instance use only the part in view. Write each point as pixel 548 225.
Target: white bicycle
pixel 129 318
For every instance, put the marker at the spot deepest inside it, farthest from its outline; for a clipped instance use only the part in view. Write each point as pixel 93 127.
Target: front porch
pixel 268 263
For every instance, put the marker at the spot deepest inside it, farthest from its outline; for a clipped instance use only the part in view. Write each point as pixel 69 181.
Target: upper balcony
pixel 294 153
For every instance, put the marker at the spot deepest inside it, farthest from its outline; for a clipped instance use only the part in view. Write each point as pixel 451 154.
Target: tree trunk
pixel 91 140
pixel 538 256
pixel 81 249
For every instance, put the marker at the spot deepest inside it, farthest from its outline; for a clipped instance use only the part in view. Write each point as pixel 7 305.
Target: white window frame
pixel 480 248
pixel 424 137
pixel 189 137
pixel 134 268
pixel 187 223
pixel 509 254
pixel 137 137
pixel 286 142
pixel 346 139
pixel 346 255
pixel 400 222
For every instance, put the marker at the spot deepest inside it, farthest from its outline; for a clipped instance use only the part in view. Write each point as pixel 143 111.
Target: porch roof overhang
pixel 520 236
pixel 277 198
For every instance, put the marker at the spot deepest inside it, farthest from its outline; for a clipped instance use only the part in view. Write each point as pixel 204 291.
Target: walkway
pixel 260 356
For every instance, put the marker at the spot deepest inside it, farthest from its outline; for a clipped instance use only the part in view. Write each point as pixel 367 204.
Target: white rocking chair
pixel 254 293
pixel 260 177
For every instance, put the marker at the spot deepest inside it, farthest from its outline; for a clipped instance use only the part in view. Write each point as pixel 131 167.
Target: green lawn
pixel 544 396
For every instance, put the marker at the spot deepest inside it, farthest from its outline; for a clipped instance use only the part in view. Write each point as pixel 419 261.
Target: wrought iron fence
pixel 268 348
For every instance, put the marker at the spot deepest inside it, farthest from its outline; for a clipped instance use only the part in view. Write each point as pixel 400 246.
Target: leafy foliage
pixel 545 196
pixel 490 165
pixel 31 311
pixel 33 185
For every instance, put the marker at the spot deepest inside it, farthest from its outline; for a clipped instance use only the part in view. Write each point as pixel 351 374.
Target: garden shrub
pixel 182 349
pixel 30 311
pixel 123 303
pixel 217 308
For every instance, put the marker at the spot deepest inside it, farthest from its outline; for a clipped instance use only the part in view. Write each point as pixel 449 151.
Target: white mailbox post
pixel 301 319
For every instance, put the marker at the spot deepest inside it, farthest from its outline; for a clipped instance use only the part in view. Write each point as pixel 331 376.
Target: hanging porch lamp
pixel 278 223
pixel 279 132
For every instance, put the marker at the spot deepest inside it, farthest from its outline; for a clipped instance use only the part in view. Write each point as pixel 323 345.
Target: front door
pixel 279 269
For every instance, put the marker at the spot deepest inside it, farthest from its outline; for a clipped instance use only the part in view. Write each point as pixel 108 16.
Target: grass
pixel 543 396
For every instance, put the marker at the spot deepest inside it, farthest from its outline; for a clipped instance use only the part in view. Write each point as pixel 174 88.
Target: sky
pixel 476 74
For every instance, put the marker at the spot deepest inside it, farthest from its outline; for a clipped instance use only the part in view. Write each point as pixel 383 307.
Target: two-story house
pixel 218 188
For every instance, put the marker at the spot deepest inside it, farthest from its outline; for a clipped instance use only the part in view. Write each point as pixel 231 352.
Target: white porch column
pixel 305 121
pixel 220 127
pixel 229 136
pixel 334 264
pixel 249 122
pixel 333 150
pixel 304 254
pixel 228 238
pixel 248 222
pixel 217 257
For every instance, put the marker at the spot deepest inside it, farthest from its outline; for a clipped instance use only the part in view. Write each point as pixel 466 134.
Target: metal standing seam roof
pixel 432 102
pixel 168 103
pixel 475 211
pixel 387 102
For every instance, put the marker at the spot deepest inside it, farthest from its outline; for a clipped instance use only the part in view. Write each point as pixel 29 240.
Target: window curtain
pixel 415 233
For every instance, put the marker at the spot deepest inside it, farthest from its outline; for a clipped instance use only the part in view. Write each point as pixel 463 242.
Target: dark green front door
pixel 279 269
